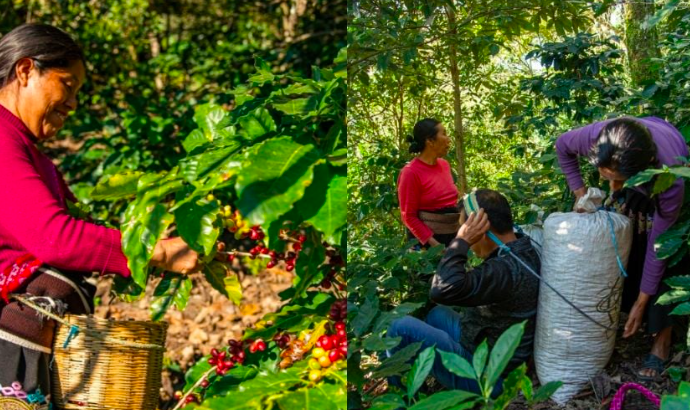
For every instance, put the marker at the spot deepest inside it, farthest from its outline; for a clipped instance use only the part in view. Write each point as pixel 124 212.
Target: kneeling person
pixel 496 294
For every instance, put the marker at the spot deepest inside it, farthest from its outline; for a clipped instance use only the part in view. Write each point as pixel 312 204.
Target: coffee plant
pixel 680 401
pixel 269 172
pixel 486 369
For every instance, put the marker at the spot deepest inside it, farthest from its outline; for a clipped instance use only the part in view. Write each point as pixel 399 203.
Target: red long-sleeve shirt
pixel 424 187
pixel 33 213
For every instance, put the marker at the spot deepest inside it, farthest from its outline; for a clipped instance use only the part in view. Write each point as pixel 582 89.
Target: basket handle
pixel 74 329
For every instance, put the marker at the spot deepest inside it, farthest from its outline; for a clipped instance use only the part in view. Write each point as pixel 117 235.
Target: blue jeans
pixel 442 328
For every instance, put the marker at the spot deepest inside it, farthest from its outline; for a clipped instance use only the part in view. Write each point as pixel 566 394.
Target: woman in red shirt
pixel 45 253
pixel 427 194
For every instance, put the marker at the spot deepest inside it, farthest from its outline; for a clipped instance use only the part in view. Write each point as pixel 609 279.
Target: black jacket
pixel 498 293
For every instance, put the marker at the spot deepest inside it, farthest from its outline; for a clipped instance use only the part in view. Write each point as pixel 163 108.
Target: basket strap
pixel 20 341
pixel 74 328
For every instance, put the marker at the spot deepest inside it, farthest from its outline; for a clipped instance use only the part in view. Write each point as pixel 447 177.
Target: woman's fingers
pixel 632 324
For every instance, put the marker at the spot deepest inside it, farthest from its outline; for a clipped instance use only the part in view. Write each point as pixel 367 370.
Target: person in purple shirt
pixel 619 149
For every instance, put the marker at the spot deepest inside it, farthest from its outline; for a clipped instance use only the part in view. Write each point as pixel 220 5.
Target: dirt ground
pixel 208 321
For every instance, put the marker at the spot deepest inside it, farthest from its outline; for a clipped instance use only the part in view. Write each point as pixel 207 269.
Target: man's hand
pixel 475 227
pixel 636 315
pixel 175 255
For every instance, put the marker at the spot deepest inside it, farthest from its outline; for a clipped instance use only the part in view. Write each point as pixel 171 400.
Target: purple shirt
pixel 670 145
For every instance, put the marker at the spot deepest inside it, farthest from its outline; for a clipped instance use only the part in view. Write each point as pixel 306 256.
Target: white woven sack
pixel 535 230
pixel 536 234
pixel 579 260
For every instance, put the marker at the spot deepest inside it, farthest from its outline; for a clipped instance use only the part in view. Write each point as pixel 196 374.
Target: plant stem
pixel 238 253
pixel 197 384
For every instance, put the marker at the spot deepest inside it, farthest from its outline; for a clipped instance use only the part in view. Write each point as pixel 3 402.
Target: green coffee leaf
pixel 366 314
pixel 511 385
pixel 257 124
pixel 143 227
pixel 447 399
pixel 320 396
pixel 679 282
pixel 668 243
pixel 275 176
pixel 199 225
pixel 377 343
pixel 642 177
pixel 502 352
pixel 398 363
pixel 215 273
pixel 673 296
pixel 116 186
pixel 682 309
pixel 263 73
pixel 214 122
pixel 217 161
pixel 457 365
pixel 387 402
pixel 322 202
pixel 479 358
pixel 233 288
pixel 546 391
pixel 172 289
pixel 420 370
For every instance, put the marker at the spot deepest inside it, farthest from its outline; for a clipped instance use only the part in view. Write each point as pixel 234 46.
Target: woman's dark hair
pixel 624 145
pixel 425 130
pixel 48 46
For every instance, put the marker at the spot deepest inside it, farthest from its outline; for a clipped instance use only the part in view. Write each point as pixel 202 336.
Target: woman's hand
pixel 579 193
pixel 175 255
pixel 636 315
pixel 475 227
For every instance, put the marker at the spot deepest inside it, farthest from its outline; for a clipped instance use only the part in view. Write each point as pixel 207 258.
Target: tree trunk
pixel 459 132
pixel 155 52
pixel 642 45
pixel 401 115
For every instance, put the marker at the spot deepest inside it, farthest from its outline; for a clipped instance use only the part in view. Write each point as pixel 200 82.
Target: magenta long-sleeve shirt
pixel 670 145
pixel 424 187
pixel 33 212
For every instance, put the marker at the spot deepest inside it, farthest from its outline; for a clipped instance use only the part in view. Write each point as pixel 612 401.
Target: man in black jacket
pixel 496 294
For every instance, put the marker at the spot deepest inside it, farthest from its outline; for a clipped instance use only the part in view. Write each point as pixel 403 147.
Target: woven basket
pixel 97 371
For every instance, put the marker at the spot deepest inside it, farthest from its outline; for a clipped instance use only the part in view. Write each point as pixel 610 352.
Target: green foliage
pixel 261 160
pixel 420 370
pixel 486 377
pixel 151 63
pixel 680 401
pixel 282 389
pixel 266 168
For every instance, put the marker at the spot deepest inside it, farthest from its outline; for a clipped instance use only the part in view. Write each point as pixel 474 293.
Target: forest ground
pixel 622 368
pixel 208 321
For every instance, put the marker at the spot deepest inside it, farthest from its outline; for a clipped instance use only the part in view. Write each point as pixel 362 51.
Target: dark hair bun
pixel 414 148
pixel 424 131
